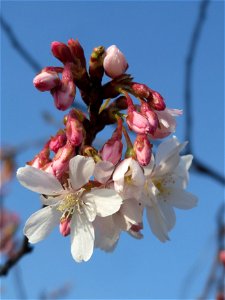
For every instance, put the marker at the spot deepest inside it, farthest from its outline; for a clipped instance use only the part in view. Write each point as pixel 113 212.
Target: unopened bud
pixel 64 227
pixel 60 162
pixel 74 130
pixel 64 96
pixel 46 80
pixel 156 101
pixel 142 148
pixel 139 89
pixel 112 149
pixel 137 122
pixel 151 116
pixel 222 257
pixel 114 63
pixel 61 51
pixel 77 52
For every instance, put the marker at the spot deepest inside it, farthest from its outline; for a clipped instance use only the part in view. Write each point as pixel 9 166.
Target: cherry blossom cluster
pixel 95 194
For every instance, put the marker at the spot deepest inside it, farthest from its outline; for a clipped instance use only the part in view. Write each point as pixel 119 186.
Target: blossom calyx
pixel 114 63
pixel 142 148
pixel 46 80
pixel 96 69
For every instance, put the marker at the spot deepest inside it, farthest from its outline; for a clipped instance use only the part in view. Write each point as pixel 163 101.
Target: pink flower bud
pixel 57 141
pixel 112 149
pixel 74 130
pixel 61 51
pixel 46 80
pixel 151 116
pixel 156 101
pixel 64 227
pixel 137 122
pixel 65 94
pixel 60 162
pixel 77 52
pixel 114 63
pixel 140 90
pixel 142 148
pixel 222 257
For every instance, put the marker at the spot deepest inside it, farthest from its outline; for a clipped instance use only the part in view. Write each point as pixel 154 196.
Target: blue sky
pixel 154 36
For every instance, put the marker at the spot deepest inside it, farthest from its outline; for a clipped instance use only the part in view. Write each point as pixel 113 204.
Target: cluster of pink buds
pixel 93 194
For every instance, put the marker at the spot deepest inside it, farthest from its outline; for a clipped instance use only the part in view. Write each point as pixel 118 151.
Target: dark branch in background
pixel 189 72
pixel 24 249
pixel 189 62
pixel 18 46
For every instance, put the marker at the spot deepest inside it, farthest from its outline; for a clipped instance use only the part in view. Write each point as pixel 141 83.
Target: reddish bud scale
pixel 61 51
pixel 57 141
pixel 42 158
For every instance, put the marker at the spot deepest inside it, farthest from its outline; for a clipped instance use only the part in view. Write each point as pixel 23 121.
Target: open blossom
pixel 128 218
pixel 166 180
pixel 114 63
pixel 75 202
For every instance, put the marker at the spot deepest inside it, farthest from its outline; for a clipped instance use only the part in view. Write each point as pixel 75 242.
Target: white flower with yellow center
pixel 76 202
pixel 166 179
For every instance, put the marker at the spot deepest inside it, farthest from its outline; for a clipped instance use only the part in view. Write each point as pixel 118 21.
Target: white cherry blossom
pixel 166 179
pixel 75 202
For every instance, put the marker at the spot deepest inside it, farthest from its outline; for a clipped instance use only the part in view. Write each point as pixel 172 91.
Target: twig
pixel 189 72
pixel 24 249
pixel 19 47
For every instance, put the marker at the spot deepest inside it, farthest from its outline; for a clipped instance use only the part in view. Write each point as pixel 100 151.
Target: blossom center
pixel 71 202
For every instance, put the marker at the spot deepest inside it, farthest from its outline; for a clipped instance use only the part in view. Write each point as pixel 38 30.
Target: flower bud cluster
pixel 95 194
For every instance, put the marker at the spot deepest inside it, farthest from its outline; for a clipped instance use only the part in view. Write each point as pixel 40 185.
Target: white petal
pixel 39 181
pixel 157 223
pixel 107 233
pixel 181 172
pixel 181 199
pixel 132 211
pixel 103 171
pixel 149 168
pixel 121 169
pixel 89 209
pixel 41 223
pixel 107 201
pixel 81 169
pixel 169 214
pixel 165 148
pixel 170 161
pixel 82 237
pixel 138 177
